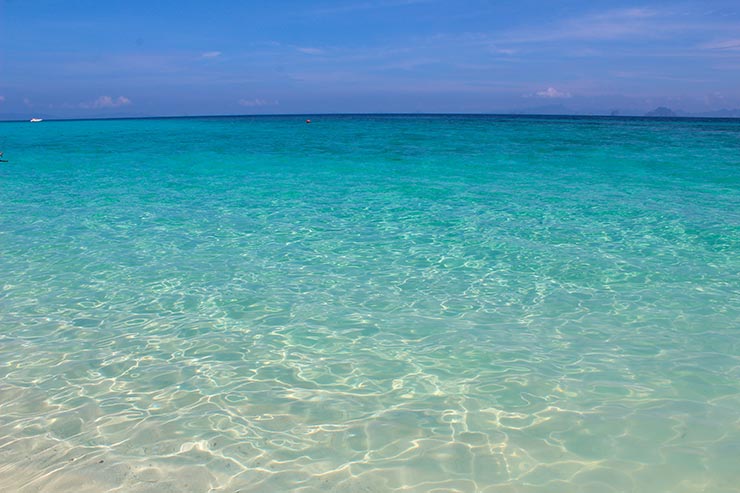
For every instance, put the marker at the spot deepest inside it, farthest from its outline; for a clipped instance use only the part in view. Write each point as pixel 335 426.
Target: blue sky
pixel 74 58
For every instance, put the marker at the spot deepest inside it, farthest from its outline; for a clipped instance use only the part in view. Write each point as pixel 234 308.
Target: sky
pixel 87 59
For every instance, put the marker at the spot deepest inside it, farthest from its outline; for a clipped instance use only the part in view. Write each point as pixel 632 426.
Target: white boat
pixel 36 120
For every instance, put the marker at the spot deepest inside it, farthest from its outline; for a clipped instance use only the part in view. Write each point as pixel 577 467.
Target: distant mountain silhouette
pixel 661 111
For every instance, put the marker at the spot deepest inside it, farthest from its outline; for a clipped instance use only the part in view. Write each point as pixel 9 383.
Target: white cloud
pixel 310 51
pixel 2 99
pixel 210 54
pixel 607 25
pixel 724 45
pixel 251 103
pixel 106 102
pixel 553 93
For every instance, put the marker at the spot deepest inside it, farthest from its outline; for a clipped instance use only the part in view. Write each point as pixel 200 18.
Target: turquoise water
pixel 370 304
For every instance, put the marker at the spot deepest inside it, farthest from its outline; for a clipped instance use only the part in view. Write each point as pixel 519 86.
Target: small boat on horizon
pixel 36 120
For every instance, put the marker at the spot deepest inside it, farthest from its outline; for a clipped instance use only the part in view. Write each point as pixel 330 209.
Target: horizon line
pixel 272 115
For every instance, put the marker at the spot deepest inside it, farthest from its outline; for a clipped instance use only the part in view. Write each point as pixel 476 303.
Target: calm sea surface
pixel 370 304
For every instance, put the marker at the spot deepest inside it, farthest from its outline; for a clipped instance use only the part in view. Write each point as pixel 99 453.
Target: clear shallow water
pixel 370 304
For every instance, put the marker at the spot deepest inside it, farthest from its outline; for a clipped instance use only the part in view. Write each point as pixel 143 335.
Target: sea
pixel 370 303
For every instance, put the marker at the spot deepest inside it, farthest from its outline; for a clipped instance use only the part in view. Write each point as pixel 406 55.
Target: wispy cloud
pixel 635 32
pixel 503 51
pixel 553 93
pixel 625 25
pixel 647 75
pixel 2 99
pixel 252 103
pixel 106 102
pixel 608 25
pixel 210 54
pixel 723 45
pixel 367 5
pixel 308 50
pixel 408 64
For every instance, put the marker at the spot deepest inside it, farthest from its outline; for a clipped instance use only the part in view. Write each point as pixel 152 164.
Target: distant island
pixel 661 111
pixel 549 110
